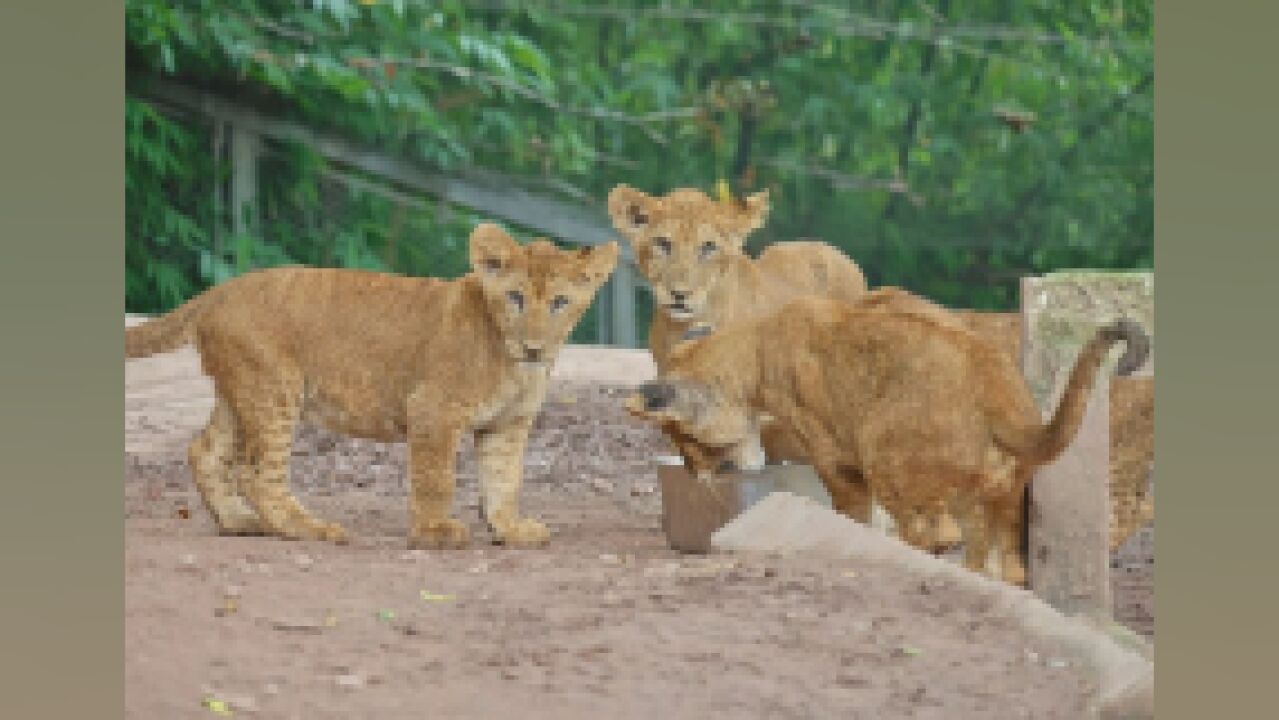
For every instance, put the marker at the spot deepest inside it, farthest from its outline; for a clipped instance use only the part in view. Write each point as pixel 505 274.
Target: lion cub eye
pixel 663 245
pixel 708 249
pixel 516 298
pixel 559 303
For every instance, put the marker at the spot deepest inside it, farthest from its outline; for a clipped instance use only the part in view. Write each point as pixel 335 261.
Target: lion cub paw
pixel 331 532
pixel 247 526
pixel 524 533
pixel 335 533
pixel 446 533
pixel 1015 573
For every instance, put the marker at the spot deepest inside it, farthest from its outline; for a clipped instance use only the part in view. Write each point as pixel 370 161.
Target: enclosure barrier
pixel 239 136
pixel 1069 508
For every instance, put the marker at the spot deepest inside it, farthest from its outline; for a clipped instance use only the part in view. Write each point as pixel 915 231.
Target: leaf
pixel 217 707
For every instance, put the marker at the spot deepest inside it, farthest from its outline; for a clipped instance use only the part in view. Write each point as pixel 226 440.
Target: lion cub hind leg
pixel 501 457
pixel 1006 516
pixel 214 458
pixel 948 533
pixel 849 493
pixel 268 412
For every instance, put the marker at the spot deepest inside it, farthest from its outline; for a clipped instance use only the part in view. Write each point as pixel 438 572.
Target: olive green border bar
pixel 1217 185
pixel 61 299
pixel 61 221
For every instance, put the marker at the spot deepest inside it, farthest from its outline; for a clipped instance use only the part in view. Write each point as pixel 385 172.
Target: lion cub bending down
pixel 384 357
pixel 899 405
pixel 689 248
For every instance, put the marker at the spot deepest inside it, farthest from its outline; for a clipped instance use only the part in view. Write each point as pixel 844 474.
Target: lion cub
pixel 689 247
pixel 384 357
pixel 917 412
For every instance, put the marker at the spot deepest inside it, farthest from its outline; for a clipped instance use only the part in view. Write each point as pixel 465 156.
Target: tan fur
pixel 728 287
pixel 384 357
pixel 725 286
pixel 1132 450
pixel 906 407
pixel 668 235
pixel 1132 436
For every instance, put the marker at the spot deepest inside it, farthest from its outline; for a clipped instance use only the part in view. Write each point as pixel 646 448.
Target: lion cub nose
pixel 533 353
pixel 679 296
pixel 657 395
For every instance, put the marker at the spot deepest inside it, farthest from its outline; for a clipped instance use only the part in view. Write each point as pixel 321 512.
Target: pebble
pixel 300 625
pixel 666 569
pixel 1058 663
pixel 187 561
pixel 610 558
pixel 304 561
pixel 271 689
pixel 242 703
pixel 601 485
pixel 350 681
pixel 852 681
pixel 1032 656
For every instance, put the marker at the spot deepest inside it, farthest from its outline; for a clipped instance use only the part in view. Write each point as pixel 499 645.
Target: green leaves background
pixel 874 123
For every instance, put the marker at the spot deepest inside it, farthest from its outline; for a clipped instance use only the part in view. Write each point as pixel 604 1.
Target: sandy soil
pixel 606 617
pixel 604 620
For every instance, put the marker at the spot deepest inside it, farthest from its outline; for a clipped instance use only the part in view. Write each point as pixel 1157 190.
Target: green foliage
pixel 878 129
pixel 166 209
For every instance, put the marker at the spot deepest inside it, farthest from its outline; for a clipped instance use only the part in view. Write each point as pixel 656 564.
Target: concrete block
pixel 692 510
pixel 1120 662
pixel 1069 513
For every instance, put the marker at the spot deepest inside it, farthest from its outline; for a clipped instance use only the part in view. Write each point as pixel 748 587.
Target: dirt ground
pixel 605 619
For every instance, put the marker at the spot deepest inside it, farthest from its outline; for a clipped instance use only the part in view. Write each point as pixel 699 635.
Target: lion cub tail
pixel 1036 443
pixel 164 333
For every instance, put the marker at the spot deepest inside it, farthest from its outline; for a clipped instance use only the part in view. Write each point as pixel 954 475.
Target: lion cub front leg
pixel 501 463
pixel 432 451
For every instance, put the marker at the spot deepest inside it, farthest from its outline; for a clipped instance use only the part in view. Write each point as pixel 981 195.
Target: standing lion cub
pixel 384 357
pixel 904 406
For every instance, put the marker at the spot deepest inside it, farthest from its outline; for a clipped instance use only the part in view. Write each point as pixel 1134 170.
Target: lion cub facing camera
pixel 384 357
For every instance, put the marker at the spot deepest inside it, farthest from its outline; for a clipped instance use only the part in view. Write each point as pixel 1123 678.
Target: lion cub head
pixel 705 404
pixel 536 293
pixel 683 241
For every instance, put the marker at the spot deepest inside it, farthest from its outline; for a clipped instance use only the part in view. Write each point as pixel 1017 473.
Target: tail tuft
pixel 1136 344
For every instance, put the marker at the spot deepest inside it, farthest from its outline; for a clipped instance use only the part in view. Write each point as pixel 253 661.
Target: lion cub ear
pixel 491 249
pixel 596 263
pixel 747 215
pixel 630 209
